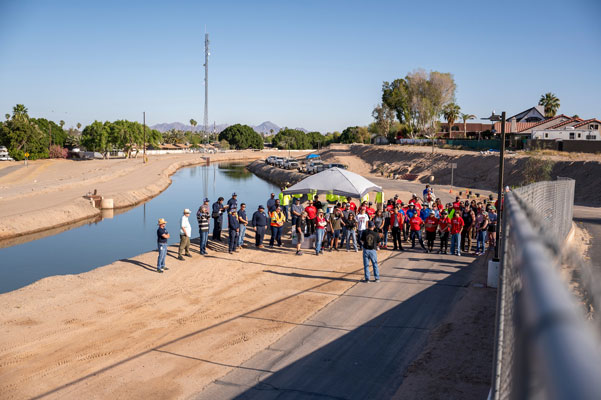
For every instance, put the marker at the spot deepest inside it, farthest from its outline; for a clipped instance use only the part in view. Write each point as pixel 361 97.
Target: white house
pixel 570 130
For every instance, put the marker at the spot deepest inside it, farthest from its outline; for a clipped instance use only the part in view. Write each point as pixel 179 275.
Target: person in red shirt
pixel 456 228
pixel 444 225
pixel 431 224
pixel 311 216
pixel 415 224
pixel 370 210
pixel 352 206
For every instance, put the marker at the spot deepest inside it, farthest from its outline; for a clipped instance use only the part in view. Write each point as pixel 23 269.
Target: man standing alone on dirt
pixel 369 242
pixel 162 236
pixel 184 236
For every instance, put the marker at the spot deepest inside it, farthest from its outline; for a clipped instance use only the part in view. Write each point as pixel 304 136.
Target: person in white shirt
pixel 184 236
pixel 362 220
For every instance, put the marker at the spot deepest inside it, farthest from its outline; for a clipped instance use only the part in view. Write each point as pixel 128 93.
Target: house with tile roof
pixel 572 129
pixel 533 114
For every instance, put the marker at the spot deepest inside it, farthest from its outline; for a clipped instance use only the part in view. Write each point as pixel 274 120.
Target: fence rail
pixel 544 348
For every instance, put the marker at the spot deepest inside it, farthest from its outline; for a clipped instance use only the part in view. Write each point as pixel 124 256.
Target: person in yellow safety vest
pixel 365 198
pixel 284 201
pixel 331 198
pixel 277 223
pixel 380 199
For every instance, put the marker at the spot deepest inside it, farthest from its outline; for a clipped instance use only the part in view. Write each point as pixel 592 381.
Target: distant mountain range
pixel 264 128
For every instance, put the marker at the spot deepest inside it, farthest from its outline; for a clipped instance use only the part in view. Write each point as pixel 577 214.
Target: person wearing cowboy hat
pixel 162 236
pixel 184 236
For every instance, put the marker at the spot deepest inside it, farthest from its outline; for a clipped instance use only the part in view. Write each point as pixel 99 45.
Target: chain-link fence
pixel 544 346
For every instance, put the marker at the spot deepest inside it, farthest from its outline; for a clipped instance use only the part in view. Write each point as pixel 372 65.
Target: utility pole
pixel 144 118
pixel 206 65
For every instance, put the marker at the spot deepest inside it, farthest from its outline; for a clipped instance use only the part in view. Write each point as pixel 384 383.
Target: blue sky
pixel 313 64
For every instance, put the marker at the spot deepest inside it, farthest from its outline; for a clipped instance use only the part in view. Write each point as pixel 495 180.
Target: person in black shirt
pixel 317 204
pixel 162 236
pixel 369 240
pixel 217 215
pixel 259 221
pixel 301 228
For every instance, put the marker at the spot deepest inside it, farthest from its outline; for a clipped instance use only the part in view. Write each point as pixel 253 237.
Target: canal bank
pixel 50 193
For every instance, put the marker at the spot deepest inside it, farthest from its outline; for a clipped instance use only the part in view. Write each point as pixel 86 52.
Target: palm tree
pixel 451 113
pixel 78 125
pixel 465 118
pixel 7 116
pixel 551 104
pixel 61 123
pixel 193 123
pixel 20 111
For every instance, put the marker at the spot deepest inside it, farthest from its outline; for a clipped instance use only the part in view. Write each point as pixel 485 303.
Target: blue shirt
pixel 411 213
pixel 424 213
pixel 217 209
pixel 232 203
pixel 242 214
pixel 259 219
pixel 160 233
pixel 232 222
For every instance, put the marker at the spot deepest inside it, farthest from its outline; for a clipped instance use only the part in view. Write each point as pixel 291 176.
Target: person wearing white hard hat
pixel 184 236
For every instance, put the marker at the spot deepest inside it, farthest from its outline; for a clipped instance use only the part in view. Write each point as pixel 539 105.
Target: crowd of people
pixel 341 223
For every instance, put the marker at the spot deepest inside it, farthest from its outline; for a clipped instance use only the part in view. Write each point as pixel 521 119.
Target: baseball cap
pixel 234 194
pixel 187 211
pixel 371 224
pixel 206 200
pixel 261 207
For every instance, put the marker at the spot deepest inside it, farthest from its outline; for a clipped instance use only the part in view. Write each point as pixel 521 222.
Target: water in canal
pixel 130 233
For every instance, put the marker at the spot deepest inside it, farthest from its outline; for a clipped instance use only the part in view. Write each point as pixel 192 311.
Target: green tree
pixel 193 123
pixel 384 117
pixel 465 118
pixel 7 116
pixel 551 104
pixel 316 139
pixel 51 130
pixel 292 139
pixel 451 113
pixel 78 125
pixel 419 98
pixel 95 137
pixel 20 111
pixel 355 134
pixel 241 137
pixel 61 123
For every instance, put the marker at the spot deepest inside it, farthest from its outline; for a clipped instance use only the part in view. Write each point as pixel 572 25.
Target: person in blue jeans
pixel 203 217
pixel 320 230
pixel 243 222
pixel 369 240
pixel 162 236
pixel 481 229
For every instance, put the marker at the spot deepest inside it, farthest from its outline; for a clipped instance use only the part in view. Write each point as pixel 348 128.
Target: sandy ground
pixel 125 331
pixel 49 193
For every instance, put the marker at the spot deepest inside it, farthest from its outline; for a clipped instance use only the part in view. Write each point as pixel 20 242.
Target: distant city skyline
pixel 315 65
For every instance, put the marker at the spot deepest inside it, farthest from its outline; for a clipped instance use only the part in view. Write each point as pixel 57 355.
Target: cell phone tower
pixel 206 65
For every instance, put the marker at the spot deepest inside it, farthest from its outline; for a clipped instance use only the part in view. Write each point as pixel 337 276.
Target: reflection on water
pixel 92 243
pixel 235 171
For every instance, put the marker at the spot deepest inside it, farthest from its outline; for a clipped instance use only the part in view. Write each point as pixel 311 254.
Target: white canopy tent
pixel 335 181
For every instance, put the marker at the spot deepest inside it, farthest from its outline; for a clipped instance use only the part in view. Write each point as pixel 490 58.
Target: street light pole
pixel 144 118
pixel 500 188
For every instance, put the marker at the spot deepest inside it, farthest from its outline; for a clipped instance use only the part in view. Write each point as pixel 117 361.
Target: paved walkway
pixel 589 218
pixel 359 346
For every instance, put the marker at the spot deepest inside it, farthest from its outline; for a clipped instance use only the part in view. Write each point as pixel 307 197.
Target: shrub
pixel 536 170
pixel 57 151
